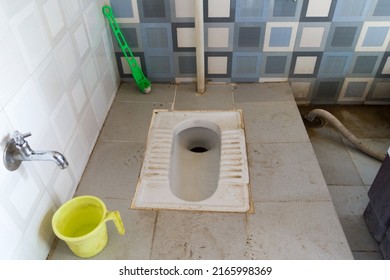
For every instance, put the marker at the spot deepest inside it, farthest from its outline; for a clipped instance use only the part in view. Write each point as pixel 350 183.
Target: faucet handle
pixel 18 137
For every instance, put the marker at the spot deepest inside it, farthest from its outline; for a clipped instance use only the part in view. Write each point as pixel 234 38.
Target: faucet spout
pixel 54 156
pixel 18 150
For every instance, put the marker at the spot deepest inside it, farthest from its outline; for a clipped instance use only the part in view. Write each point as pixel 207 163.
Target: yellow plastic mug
pixel 81 223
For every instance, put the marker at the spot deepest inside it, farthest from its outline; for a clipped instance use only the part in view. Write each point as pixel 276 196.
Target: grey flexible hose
pixel 319 115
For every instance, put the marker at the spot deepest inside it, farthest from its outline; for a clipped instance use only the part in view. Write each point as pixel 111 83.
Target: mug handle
pixel 116 217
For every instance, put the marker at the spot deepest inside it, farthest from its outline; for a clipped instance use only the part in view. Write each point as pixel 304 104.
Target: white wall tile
pixel 100 104
pixel 101 57
pixel 39 235
pixel 13 69
pixel 4 27
pixel 109 86
pixel 72 10
pixel 93 23
pixel 81 39
pixel 31 35
pixel 54 18
pixel 12 7
pixel 27 112
pixel 66 58
pixel 90 126
pixel 25 195
pixel 79 96
pixel 10 235
pixel 63 187
pixel 48 78
pixel 219 8
pixel 64 121
pixel 90 74
pixel 77 153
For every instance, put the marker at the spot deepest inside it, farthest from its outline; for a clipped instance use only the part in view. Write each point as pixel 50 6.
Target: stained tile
pixel 192 235
pixel 381 90
pixel 119 128
pixel 285 172
pixel 163 93
pixel 327 90
pixel 385 69
pixel 313 228
pixel 301 89
pixel 355 89
pixel 260 120
pixel 216 97
pixel 245 93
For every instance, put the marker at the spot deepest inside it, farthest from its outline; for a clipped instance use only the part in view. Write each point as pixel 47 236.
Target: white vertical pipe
pixel 199 36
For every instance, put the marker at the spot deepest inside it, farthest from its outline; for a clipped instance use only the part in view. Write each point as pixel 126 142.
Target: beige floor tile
pixel 296 230
pixel 163 93
pixel 350 202
pixel 197 235
pixel 112 170
pixel 244 93
pixel 286 172
pixel 135 244
pixel 129 121
pixel 270 122
pixel 216 97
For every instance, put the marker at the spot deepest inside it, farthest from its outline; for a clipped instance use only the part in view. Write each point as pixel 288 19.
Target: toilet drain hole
pixel 199 149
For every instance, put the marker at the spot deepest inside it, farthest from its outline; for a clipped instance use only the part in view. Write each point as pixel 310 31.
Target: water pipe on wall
pixel 318 118
pixel 199 36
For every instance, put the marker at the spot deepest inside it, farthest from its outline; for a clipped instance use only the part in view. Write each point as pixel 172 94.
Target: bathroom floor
pixel 294 216
pixel 348 172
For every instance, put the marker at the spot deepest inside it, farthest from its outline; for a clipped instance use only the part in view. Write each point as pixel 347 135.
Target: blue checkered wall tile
pixel 317 45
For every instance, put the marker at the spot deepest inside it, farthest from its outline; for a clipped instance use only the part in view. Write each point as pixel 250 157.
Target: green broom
pixel 143 83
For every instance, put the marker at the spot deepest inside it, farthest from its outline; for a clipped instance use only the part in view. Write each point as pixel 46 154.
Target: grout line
pixel 174 98
pixel 154 234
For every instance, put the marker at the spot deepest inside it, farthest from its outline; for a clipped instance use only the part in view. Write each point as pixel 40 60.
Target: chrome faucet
pixel 18 150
